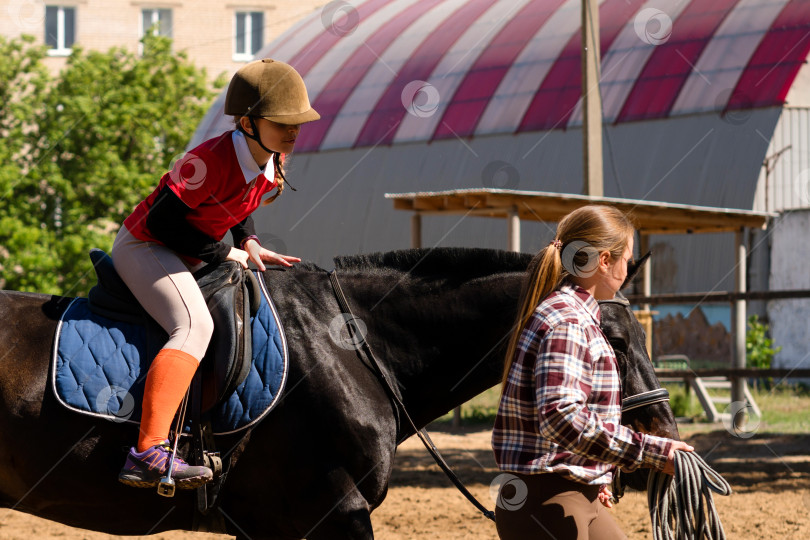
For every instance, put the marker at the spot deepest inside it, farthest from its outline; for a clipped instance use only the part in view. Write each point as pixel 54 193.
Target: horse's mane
pixel 462 262
pixel 466 263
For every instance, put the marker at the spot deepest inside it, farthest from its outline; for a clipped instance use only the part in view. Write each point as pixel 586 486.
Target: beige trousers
pixel 550 507
pixel 162 282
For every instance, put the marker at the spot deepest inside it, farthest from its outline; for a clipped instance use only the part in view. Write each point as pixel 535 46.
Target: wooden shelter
pixel 649 217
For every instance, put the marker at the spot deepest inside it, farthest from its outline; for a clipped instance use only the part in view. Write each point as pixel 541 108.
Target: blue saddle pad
pixel 100 366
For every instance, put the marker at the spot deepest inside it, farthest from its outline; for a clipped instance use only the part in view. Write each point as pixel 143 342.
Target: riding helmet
pixel 272 90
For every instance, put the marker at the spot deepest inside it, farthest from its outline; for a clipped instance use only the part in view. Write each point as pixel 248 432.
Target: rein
pixel 659 395
pixel 400 407
pixel 681 506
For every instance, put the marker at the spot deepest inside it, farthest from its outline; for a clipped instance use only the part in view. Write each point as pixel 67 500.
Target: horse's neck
pixel 443 343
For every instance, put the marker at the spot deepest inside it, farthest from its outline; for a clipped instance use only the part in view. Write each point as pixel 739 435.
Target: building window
pixel 60 29
pixel 249 34
pixel 159 20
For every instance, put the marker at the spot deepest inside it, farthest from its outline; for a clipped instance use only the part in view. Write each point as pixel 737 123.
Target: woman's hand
pixel 604 496
pixel 238 255
pixel 669 468
pixel 259 256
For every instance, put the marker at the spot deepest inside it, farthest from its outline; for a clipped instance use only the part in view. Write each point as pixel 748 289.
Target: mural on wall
pixel 693 336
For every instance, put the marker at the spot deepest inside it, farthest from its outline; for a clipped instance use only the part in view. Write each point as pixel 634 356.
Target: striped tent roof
pixel 393 71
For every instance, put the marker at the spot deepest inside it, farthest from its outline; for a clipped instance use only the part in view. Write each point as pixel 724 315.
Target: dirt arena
pixel 770 476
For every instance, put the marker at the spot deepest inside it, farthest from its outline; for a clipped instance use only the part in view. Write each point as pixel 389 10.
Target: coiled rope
pixel 682 507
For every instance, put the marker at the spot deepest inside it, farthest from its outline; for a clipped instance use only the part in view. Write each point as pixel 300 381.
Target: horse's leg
pixel 24 347
pixel 348 519
pixel 293 491
pixel 352 526
pixel 321 514
pixel 57 464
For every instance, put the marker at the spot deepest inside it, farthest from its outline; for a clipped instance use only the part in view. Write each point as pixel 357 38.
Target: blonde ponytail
pixel 544 274
pixel 585 232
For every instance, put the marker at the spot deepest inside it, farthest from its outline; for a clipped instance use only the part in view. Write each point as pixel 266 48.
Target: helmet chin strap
pixel 255 137
pixel 255 134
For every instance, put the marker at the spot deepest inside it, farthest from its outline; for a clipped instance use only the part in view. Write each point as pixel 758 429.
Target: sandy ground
pixel 770 476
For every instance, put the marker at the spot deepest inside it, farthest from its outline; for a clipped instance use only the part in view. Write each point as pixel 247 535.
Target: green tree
pixel 23 84
pixel 86 147
pixel 759 349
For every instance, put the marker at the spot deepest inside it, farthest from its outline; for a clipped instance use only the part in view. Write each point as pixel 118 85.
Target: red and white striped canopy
pixel 396 71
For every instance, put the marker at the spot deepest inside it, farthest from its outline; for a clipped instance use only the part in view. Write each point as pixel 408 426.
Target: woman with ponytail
pixel 179 228
pixel 558 429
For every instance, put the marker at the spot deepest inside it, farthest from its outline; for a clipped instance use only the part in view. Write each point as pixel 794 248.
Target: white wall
pixel 790 262
pixel 788 183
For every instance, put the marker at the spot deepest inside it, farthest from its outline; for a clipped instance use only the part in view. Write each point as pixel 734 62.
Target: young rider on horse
pixel 558 427
pixel 179 228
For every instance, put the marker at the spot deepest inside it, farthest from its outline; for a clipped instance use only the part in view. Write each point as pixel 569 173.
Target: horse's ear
pixel 634 268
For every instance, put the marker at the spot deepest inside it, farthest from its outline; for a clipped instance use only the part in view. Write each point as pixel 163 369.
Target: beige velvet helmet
pixel 272 90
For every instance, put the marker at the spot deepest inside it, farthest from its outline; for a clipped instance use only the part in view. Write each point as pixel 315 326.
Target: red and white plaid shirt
pixel 561 405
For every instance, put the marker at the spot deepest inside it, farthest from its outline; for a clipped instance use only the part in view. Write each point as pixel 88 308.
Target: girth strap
pixel 389 388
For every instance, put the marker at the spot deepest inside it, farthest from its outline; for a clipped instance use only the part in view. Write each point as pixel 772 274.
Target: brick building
pixel 219 36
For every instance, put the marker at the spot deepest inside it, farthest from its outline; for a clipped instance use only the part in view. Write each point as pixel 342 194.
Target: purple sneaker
pixel 145 469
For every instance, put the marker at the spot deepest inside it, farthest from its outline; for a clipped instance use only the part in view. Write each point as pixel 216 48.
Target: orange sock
pixel 166 383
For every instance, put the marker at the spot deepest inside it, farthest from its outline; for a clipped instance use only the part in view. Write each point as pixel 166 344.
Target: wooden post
pixel 738 332
pixel 646 272
pixel 646 290
pixel 591 102
pixel 416 230
pixel 514 230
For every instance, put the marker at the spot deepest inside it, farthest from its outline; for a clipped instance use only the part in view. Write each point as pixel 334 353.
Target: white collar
pixel 250 169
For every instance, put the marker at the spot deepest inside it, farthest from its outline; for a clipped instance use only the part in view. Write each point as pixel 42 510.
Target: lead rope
pixel 421 433
pixel 683 506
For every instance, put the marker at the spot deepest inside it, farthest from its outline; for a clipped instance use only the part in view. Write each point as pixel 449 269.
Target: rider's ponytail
pixel 276 158
pixel 278 170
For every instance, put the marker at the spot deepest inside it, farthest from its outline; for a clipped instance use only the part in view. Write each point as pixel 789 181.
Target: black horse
pixel 319 464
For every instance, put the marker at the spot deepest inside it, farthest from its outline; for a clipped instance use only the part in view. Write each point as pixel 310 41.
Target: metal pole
pixel 591 101
pixel 738 332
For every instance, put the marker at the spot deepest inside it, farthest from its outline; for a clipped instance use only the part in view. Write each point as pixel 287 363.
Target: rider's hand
pixel 236 254
pixel 259 256
pixel 604 497
pixel 669 468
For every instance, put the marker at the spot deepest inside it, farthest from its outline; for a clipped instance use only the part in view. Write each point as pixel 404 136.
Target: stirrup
pixel 166 486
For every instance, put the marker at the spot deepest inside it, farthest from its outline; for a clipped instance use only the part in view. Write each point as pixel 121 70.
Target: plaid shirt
pixel 561 405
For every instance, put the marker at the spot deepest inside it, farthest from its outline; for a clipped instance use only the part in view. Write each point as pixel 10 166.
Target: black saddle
pixel 233 296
